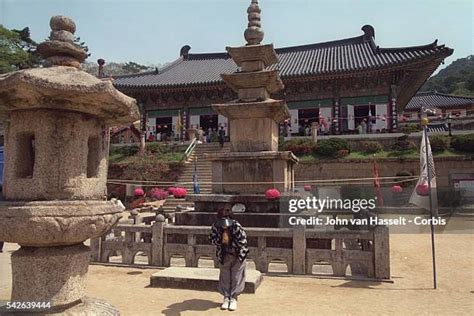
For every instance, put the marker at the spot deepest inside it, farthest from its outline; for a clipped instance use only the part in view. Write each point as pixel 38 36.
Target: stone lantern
pixel 56 143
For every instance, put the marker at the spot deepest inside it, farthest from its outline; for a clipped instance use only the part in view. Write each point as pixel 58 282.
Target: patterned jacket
pixel 239 240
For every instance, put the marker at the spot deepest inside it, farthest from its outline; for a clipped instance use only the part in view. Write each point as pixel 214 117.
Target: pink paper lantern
pixel 138 192
pixel 423 189
pixel 307 188
pixel 272 194
pixel 180 193
pixel 396 189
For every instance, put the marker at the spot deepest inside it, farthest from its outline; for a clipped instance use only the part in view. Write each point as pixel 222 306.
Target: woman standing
pixel 230 240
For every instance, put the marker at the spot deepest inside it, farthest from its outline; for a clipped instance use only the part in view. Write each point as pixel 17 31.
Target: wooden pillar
pixel 336 110
pixel 393 108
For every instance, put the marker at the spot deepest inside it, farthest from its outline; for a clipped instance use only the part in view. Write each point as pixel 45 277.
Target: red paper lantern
pixel 180 193
pixel 396 189
pixel 138 192
pixel 272 194
pixel 171 189
pixel 423 189
pixel 307 188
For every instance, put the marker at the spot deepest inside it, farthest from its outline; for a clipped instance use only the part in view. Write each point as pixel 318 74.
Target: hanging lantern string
pixel 328 181
pixel 378 117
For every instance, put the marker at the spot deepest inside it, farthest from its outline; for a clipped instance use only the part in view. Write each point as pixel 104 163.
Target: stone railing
pixel 365 251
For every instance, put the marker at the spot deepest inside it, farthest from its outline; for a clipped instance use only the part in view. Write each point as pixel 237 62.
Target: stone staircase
pixel 203 171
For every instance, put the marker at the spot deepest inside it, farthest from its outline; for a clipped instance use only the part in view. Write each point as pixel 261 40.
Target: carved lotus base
pixel 56 223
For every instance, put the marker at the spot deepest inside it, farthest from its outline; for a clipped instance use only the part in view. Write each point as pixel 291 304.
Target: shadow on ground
pixel 196 305
pixel 371 286
pixel 134 272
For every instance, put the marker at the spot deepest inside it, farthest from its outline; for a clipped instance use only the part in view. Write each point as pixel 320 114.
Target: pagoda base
pixel 259 211
pixel 254 203
pixel 252 172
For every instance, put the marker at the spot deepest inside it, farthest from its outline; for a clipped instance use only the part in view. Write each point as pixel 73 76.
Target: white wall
pixel 194 120
pixel 151 125
pixel 381 110
pixel 326 113
pixel 222 120
pixel 294 121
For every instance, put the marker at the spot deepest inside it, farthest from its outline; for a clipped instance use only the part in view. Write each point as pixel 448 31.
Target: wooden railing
pixel 365 251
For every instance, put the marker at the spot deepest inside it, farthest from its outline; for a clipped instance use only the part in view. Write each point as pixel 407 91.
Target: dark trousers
pixel 1 245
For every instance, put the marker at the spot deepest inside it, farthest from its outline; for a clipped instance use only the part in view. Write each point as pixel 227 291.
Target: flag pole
pixel 424 122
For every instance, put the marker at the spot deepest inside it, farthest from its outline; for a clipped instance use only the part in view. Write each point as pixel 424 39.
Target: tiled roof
pixel 342 56
pixel 438 100
pixel 437 128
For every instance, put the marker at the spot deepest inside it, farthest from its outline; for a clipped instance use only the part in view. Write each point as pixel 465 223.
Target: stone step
pixel 203 279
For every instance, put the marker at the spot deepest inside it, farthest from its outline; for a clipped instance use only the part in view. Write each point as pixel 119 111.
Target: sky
pixel 153 32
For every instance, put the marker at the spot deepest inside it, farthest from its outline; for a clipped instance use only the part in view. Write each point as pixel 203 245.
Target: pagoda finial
pixel 60 49
pixel 254 34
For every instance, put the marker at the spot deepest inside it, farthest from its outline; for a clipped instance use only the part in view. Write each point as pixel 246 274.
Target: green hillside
pixel 457 78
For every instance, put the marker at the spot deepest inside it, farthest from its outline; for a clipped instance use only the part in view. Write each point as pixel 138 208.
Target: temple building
pixel 337 84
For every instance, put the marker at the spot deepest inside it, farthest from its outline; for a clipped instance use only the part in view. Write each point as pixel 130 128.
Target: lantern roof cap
pixel 65 88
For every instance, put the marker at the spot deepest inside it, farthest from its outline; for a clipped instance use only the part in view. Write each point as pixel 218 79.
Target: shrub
pixel 403 176
pixel 180 193
pixel 299 147
pixel 438 143
pixel 128 150
pixel 146 167
pixel 342 153
pixel 463 143
pixel 410 128
pixel 403 144
pixel 158 194
pixel 272 194
pixel 371 147
pixel 331 147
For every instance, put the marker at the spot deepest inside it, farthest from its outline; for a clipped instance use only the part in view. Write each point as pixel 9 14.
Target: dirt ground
pixel 410 293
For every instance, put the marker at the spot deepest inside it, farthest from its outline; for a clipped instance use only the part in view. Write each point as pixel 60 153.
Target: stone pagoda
pixel 56 147
pixel 254 163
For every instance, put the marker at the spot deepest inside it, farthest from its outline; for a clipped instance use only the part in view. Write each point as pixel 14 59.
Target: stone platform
pixel 204 279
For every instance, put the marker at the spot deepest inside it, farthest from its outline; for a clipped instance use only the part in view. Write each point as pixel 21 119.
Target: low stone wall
pixel 342 169
pixel 366 252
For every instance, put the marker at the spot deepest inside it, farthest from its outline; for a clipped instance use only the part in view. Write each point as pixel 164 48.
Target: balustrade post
pixel 190 256
pixel 157 241
pixel 299 250
pixel 382 252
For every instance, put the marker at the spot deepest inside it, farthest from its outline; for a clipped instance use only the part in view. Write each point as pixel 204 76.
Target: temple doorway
pixel 208 121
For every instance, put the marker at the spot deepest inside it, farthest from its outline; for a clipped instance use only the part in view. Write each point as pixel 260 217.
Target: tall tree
pixel 17 50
